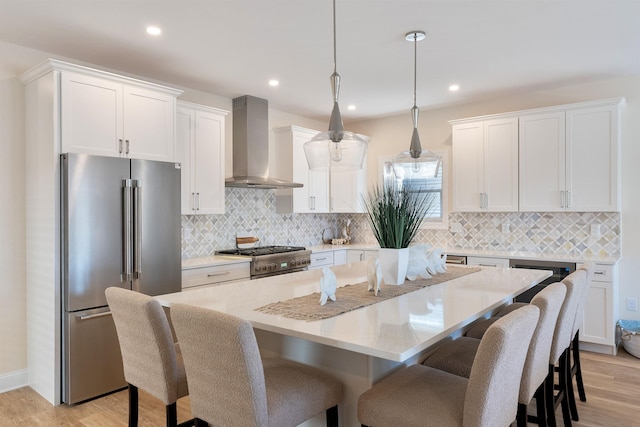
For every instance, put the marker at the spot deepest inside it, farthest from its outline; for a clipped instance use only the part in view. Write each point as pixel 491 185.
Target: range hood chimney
pixel 251 146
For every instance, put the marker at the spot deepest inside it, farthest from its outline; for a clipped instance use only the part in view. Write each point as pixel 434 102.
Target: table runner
pixel 351 297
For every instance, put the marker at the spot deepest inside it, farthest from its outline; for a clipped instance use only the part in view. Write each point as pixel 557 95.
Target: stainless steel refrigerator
pixel 120 227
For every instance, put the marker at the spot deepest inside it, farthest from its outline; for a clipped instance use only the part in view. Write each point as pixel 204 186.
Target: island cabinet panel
pixel 101 115
pixel 200 150
pixel 322 192
pixel 485 165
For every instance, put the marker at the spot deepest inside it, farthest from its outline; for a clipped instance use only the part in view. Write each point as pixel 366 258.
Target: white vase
pixel 393 263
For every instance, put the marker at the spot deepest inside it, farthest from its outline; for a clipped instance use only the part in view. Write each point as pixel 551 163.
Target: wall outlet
pixel 187 233
pixel 632 304
pixel 595 231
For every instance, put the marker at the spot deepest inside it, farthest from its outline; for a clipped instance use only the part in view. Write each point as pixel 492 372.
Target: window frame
pixel 440 224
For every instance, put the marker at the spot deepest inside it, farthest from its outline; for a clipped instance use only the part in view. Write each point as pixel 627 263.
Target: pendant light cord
pixel 415 66
pixel 335 61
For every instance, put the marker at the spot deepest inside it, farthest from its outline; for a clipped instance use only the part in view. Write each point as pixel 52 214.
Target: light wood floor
pixel 612 386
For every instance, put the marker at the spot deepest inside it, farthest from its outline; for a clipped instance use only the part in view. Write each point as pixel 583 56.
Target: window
pixel 435 187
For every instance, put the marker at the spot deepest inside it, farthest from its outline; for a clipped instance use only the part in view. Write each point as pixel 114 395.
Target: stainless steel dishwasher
pixel 559 270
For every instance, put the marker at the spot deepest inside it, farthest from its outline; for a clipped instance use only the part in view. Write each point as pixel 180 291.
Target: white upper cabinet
pixel 109 115
pixel 485 165
pixel 593 159
pixel 569 159
pixel 553 159
pixel 322 192
pixel 200 150
pixel 542 162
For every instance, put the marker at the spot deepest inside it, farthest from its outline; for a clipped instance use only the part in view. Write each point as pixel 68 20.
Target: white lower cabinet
pixel 357 255
pixel 599 312
pixel 200 277
pixel 321 259
pixel 488 261
pixel 340 257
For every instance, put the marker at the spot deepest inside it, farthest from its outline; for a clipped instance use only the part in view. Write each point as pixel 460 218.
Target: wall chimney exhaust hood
pixel 251 146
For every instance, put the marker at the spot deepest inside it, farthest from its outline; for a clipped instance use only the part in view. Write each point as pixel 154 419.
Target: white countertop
pixel 213 260
pixel 355 246
pixel 395 329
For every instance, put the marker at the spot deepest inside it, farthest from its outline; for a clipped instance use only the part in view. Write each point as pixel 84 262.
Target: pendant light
pixel 416 161
pixel 336 149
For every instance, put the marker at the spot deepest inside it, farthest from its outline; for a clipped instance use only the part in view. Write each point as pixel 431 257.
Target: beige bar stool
pixel 231 386
pixel 457 356
pixel 574 353
pixel 151 360
pixel 422 396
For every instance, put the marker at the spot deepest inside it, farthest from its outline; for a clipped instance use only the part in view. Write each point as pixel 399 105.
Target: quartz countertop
pixel 395 329
pixel 213 260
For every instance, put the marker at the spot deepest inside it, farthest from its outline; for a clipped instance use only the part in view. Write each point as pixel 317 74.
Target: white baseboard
pixel 13 380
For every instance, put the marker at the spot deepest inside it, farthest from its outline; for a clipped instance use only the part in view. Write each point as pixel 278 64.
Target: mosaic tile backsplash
pixel 254 211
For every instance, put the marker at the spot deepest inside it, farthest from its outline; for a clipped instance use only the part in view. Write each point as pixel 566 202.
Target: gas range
pixel 273 260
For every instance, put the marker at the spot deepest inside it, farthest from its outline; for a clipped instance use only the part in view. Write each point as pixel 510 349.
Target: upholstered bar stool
pixel 422 396
pixel 574 360
pixel 457 356
pixel 151 360
pixel 231 386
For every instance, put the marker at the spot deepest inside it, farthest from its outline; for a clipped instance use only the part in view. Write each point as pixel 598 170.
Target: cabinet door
pixel 501 165
pixel 209 162
pixel 599 311
pixel 185 123
pixel 91 121
pixel 542 162
pixel 149 118
pixel 354 255
pixel 313 197
pixel 468 167
pixel 592 160
pixel 347 188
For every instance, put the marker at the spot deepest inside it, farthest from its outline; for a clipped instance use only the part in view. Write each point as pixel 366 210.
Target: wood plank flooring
pixel 612 386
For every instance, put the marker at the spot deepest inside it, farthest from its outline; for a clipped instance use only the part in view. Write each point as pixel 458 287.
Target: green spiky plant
pixel 395 214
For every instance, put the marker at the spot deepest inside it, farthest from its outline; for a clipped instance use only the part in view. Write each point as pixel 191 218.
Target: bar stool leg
pixel 577 368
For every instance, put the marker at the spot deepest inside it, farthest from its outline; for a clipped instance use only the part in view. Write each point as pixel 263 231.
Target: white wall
pixel 391 135
pixel 13 331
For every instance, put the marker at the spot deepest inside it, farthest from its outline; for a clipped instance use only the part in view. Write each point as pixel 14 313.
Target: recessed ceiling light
pixel 454 88
pixel 274 82
pixel 351 107
pixel 153 30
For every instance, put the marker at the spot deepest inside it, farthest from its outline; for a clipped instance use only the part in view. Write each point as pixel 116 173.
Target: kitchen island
pixel 361 346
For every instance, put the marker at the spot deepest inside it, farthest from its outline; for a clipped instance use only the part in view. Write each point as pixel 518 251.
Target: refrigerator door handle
pixel 93 316
pixel 126 238
pixel 137 241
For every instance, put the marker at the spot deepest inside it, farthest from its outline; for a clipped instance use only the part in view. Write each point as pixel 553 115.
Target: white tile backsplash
pixel 253 211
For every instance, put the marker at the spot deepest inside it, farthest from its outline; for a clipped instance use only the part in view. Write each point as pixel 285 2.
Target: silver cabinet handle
pixel 126 141
pixel 568 198
pixel 321 259
pixel 126 230
pixel 93 316
pixel 222 273
pixel 120 145
pixel 488 265
pixel 563 203
pixel 198 204
pixel 193 196
pixel 600 272
pixel 137 212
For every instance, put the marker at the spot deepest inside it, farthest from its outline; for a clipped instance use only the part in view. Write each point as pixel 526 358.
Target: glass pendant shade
pixel 336 149
pixel 416 161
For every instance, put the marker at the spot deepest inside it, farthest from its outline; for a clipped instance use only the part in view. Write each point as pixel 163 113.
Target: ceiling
pixel 234 47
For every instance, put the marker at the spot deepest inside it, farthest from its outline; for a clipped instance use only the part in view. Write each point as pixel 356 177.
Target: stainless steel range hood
pixel 251 146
